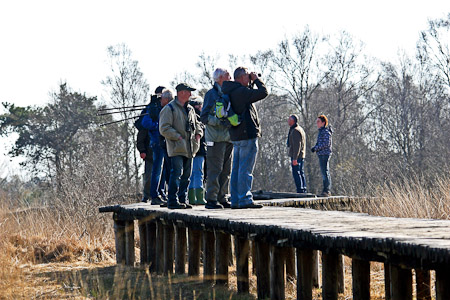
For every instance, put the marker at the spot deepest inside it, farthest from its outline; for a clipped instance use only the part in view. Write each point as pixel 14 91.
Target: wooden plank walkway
pixel 402 244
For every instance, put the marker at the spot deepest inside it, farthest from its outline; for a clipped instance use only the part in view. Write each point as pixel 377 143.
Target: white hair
pixel 167 93
pixel 219 72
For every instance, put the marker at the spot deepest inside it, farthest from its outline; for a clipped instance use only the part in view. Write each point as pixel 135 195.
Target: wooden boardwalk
pixel 402 244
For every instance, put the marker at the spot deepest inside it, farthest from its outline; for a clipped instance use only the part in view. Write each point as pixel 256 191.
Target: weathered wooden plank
pixel 262 257
pixel 242 247
pixel 129 243
pixel 194 252
pixel 387 281
pixel 401 283
pixel 180 249
pixel 142 226
pixel 341 274
pixel 159 247
pixel 151 244
pixel 290 263
pixel 277 279
pixel 330 265
pixel 223 243
pixel 119 233
pixel 315 270
pixel 443 283
pixel 209 256
pixel 305 266
pixel 168 248
pixel 361 279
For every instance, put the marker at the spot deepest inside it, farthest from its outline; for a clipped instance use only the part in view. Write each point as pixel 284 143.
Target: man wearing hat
pixel 297 151
pixel 179 125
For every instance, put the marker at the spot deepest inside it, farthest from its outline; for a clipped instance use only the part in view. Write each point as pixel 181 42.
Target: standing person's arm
pixel 141 142
pixel 206 116
pixel 148 123
pixel 295 145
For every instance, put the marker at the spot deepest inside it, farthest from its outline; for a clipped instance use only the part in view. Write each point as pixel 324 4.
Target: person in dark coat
pixel 145 152
pixel 245 135
pixel 323 148
pixel 297 152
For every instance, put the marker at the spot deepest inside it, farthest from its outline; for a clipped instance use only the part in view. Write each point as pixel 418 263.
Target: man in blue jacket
pixel 151 122
pixel 244 136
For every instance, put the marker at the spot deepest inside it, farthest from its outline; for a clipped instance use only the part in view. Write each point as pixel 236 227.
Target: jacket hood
pixel 327 128
pixel 229 86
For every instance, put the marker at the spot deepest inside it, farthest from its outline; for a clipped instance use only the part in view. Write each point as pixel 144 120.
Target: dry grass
pixel 59 253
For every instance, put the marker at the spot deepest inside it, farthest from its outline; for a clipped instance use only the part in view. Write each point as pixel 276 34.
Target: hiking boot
pixel 144 200
pixel 157 201
pixel 177 205
pixel 213 205
pixel 199 195
pixel 250 205
pixel 225 204
pixel 164 204
pixel 325 194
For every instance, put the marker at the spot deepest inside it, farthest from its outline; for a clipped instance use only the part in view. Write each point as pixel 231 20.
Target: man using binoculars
pixel 245 135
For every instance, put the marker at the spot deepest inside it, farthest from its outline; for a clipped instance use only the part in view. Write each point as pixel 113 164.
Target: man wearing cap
pixel 297 151
pixel 179 125
pixel 151 123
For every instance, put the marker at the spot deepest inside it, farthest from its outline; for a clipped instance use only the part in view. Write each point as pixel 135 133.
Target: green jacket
pixel 174 121
pixel 216 130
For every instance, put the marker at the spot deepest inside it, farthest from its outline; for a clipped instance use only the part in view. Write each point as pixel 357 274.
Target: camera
pixel 257 74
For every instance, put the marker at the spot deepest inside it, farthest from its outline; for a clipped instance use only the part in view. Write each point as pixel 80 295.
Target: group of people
pixel 183 137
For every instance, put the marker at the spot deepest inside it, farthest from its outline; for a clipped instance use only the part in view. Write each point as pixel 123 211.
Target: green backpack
pixel 224 111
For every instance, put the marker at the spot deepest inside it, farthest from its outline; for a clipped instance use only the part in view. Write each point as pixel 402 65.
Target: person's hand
pixel 143 155
pixel 294 162
pixel 313 149
pixel 253 76
pixel 198 137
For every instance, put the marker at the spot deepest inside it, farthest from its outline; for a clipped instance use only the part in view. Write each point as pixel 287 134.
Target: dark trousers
pixel 180 172
pixel 325 169
pixel 218 159
pixel 147 177
pixel 298 172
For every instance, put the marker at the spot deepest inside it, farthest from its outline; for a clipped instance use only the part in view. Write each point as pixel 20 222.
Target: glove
pixel 313 149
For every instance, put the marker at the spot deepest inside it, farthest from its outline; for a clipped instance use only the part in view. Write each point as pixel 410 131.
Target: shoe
pixel 187 205
pixel 191 196
pixel 251 205
pixel 157 201
pixel 213 205
pixel 163 205
pixel 325 194
pixel 144 200
pixel 199 195
pixel 225 204
pixel 177 205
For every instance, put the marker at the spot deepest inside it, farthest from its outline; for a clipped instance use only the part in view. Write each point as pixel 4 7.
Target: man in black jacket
pixel 143 146
pixel 244 136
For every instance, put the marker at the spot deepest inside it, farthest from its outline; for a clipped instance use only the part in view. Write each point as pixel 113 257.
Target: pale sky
pixel 45 42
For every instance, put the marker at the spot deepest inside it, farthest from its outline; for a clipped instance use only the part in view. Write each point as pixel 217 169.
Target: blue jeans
pixel 179 179
pixel 298 172
pixel 325 169
pixel 157 189
pixel 197 172
pixel 244 159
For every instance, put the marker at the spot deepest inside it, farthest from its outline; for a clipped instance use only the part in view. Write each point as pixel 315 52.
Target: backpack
pixel 224 111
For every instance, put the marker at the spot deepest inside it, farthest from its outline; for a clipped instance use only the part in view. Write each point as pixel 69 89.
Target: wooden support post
pixel 209 256
pixel 253 251
pixel 262 261
pixel 401 283
pixel 242 252
pixel 151 244
pixel 223 241
pixel 168 248
pixel 305 266
pixel 180 250
pixel 315 270
pixel 361 279
pixel 341 274
pixel 194 252
pixel 159 247
pixel 129 243
pixel 387 281
pixel 330 265
pixel 290 262
pixel 443 283
pixel 119 232
pixel 143 241
pixel 277 281
pixel 423 284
